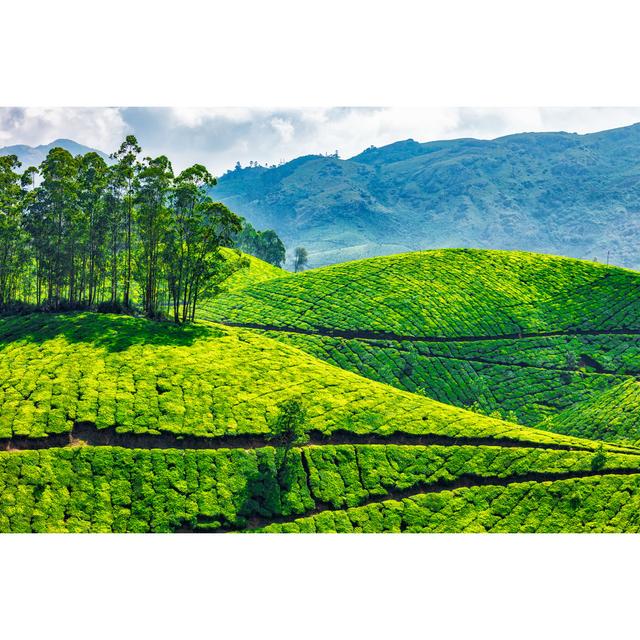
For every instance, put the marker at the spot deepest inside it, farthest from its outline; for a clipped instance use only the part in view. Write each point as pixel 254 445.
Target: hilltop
pixel 558 193
pixel 519 335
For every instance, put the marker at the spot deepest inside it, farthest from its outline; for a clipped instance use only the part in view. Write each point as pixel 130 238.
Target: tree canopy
pixel 77 232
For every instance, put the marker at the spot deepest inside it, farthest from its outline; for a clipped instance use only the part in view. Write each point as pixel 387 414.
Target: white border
pixel 490 53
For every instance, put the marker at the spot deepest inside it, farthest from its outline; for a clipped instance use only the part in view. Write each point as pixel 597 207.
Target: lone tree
pixel 301 257
pixel 599 459
pixel 288 431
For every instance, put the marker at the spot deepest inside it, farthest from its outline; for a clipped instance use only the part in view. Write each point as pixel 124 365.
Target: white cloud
pixel 101 128
pixel 284 128
pixel 218 137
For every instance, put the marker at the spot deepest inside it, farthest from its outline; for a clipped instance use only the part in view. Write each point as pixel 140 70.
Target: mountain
pixel 560 193
pixel 33 156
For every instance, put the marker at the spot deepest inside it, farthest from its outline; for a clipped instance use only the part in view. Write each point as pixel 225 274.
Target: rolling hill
pixel 116 423
pixel 613 414
pixel 558 193
pixel 518 335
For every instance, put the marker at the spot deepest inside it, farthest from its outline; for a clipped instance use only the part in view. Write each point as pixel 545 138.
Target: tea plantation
pixel 440 391
pixel 520 336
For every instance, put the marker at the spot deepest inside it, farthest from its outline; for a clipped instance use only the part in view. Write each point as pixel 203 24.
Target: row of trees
pixel 77 232
pixel 265 245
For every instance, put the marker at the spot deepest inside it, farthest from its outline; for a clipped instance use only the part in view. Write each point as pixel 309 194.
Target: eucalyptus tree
pixel 213 227
pixel 127 167
pixel 52 223
pixel 114 220
pixel 153 182
pixel 92 184
pixel 187 198
pixel 13 241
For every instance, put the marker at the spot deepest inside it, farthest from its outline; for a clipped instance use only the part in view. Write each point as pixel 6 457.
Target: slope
pixel 519 335
pixel 119 424
pixel 612 415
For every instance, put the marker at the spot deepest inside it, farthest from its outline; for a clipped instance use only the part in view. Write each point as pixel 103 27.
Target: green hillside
pixel 256 271
pixel 135 376
pixel 517 335
pixel 611 415
pixel 449 293
pixel 117 423
pixel 113 423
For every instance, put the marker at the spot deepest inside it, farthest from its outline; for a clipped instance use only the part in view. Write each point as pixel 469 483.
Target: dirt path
pixel 89 434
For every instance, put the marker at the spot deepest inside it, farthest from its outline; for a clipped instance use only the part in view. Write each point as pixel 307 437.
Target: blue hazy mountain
pixel 561 193
pixel 33 156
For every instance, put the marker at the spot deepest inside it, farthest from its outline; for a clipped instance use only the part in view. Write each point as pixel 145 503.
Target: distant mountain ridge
pixel 33 156
pixel 561 193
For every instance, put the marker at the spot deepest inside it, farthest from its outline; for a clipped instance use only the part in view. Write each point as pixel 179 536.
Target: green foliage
pixel 489 298
pixel 288 428
pixel 445 293
pixel 105 489
pixel 595 505
pixel 599 459
pixel 264 245
pixel 291 407
pixel 126 237
pixel 612 414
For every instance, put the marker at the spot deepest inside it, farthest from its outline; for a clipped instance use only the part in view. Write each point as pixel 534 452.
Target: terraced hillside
pixel 114 423
pixel 111 423
pixel 517 335
pixel 611 415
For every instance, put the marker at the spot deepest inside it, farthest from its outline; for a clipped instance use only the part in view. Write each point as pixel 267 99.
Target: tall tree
pixel 199 227
pixel 153 183
pixel 55 207
pixel 92 183
pixel 12 237
pixel 127 159
pixel 188 196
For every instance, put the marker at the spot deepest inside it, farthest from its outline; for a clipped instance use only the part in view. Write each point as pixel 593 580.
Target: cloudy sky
pixel 218 137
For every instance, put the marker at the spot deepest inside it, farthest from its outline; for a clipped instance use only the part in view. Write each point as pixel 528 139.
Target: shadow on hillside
pixel 259 503
pixel 113 332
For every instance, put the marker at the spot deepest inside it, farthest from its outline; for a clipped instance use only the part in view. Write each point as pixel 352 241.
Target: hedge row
pixel 112 489
pixel 448 293
pixel 608 504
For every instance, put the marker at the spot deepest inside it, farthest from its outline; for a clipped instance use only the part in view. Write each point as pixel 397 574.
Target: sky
pixel 219 137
